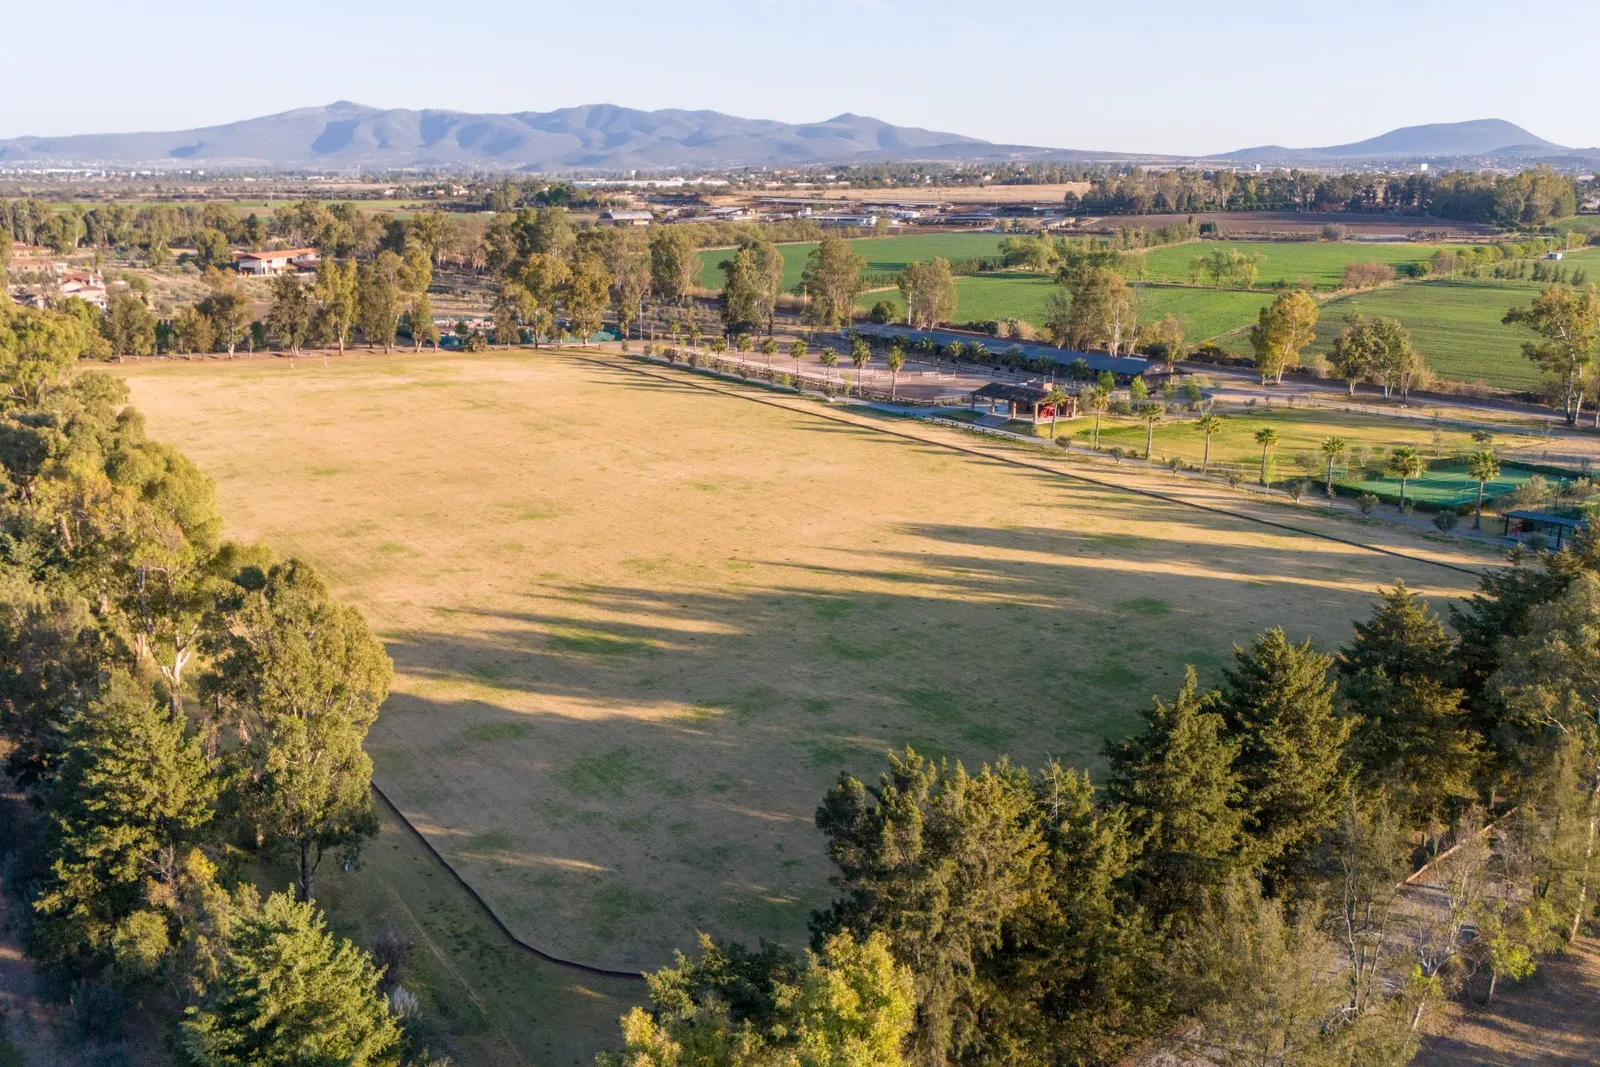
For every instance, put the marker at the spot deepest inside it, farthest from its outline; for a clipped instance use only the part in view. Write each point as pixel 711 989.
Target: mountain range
pixel 346 136
pixel 1480 138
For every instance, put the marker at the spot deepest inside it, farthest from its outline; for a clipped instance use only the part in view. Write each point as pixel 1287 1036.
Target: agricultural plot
pixel 881 254
pixel 1319 262
pixel 1018 295
pixel 1455 324
pixel 640 628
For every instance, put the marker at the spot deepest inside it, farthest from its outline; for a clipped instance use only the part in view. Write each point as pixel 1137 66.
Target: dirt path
pixel 1552 1019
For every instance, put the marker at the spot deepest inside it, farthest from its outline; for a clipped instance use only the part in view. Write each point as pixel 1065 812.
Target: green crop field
pixel 1207 312
pixel 1319 262
pixel 881 254
pixel 1454 324
pixel 628 665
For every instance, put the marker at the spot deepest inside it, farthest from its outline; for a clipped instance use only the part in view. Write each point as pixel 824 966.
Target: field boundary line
pixel 483 905
pixel 1028 465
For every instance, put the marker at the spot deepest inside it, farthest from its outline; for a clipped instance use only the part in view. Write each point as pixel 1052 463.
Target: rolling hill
pixel 1479 138
pixel 601 136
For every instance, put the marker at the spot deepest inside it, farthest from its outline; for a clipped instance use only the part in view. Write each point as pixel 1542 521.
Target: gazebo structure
pixel 1028 401
pixel 1541 522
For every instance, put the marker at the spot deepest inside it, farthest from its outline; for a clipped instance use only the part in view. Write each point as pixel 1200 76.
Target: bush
pixel 1367 275
pixel 1367 503
pixel 882 313
pixel 1298 488
pixel 1446 520
pixel 1064 442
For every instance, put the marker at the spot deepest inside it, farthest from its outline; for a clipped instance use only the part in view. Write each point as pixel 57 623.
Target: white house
pixel 277 261
pixel 627 218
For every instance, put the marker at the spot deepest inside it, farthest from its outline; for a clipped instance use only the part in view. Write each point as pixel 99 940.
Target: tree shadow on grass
pixel 617 765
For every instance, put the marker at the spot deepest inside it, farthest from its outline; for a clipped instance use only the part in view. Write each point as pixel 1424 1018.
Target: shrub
pixel 1367 275
pixel 1235 479
pixel 1298 488
pixel 1367 503
pixel 882 313
pixel 1446 520
pixel 1064 442
pixel 1117 452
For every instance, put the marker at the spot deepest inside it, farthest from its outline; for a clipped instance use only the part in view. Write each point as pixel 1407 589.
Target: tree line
pixel 179 709
pixel 1234 884
pixel 1530 198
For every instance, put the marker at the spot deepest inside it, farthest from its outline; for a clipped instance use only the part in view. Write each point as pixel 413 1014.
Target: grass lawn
pixel 1322 263
pixel 484 1000
pixel 1447 485
pixel 630 664
pixel 881 254
pixel 1300 432
pixel 1019 295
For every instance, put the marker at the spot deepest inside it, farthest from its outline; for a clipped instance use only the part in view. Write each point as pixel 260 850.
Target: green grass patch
pixel 1144 605
pixel 595 643
pixel 881 254
pixel 499 731
pixel 493 841
pixel 605 774
pixel 1321 263
pixel 935 705
pixel 1447 486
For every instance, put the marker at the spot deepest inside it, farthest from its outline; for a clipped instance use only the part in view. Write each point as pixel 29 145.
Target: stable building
pixel 1026 401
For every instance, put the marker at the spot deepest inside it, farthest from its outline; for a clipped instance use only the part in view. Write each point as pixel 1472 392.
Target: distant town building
pixel 627 218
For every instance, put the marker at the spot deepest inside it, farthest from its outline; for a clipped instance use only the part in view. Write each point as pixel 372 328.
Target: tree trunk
pixel 1477 516
pixel 1588 857
pixel 1263 465
pixel 1205 457
pixel 307 889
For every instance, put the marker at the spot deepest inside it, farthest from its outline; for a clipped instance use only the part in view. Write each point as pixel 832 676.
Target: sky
pixel 1132 75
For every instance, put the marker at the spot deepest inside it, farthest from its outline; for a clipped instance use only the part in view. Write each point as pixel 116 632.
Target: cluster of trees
pixel 1376 350
pixel 173 703
pixel 1240 868
pixel 1530 198
pixel 1226 266
pixel 1566 322
pixel 1094 307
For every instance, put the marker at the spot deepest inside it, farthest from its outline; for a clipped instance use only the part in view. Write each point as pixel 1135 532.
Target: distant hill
pixel 599 136
pixel 603 137
pixel 1479 138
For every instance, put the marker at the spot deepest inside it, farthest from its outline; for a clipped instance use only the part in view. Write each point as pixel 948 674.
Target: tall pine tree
pixel 1278 703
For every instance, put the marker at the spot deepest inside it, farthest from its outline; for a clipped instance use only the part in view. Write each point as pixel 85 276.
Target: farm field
pixel 1020 295
pixel 1320 262
pixel 629 664
pixel 1455 324
pixel 881 253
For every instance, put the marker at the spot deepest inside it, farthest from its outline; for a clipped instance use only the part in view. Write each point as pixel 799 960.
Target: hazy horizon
pixel 1149 76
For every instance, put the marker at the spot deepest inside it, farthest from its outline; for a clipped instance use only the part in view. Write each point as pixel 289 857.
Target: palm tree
pixel 828 360
pixel 1208 424
pixel 1266 437
pixel 797 352
pixel 860 355
pixel 896 359
pixel 1483 467
pixel 1333 448
pixel 1055 398
pixel 1405 463
pixel 769 348
pixel 1097 397
pixel 1152 413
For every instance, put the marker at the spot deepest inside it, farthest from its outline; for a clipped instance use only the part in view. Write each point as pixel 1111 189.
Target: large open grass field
pixel 640 628
pixel 1020 295
pixel 1455 324
pixel 881 254
pixel 1319 262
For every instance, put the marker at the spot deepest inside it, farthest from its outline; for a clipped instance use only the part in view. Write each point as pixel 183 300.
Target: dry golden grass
pixel 641 627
